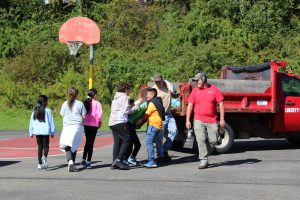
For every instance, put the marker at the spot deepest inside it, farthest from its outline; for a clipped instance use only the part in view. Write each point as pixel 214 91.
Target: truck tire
pixel 226 140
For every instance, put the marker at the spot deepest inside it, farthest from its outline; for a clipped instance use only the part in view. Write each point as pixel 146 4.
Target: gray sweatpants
pixel 206 136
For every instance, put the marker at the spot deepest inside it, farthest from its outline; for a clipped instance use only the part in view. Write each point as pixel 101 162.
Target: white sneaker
pixel 70 166
pixel 132 161
pixel 39 167
pixel 203 164
pixel 45 163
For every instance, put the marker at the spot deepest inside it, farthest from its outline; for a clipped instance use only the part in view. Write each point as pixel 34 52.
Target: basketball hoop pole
pixel 91 66
pixel 81 30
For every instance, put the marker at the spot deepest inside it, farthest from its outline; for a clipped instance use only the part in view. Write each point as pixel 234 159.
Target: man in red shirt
pixel 203 101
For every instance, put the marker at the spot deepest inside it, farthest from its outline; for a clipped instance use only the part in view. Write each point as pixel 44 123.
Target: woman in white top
pixel 73 113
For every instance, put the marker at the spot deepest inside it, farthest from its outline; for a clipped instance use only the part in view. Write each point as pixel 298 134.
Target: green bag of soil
pixel 138 114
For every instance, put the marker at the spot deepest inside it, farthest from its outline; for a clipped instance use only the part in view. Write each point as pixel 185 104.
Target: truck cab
pixel 287 118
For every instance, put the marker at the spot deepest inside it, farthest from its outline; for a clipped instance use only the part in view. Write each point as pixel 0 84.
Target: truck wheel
pixel 226 139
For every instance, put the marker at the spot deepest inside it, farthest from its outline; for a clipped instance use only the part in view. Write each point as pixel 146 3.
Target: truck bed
pixel 241 86
pixel 245 95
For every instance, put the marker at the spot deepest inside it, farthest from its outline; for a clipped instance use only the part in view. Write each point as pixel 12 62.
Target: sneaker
pixel 203 164
pixel 132 161
pixel 118 164
pixel 126 162
pixel 45 163
pixel 39 167
pixel 83 163
pixel 113 166
pixel 70 166
pixel 88 165
pixel 150 164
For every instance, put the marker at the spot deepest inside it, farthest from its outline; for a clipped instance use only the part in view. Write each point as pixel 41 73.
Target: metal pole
pixel 91 66
pixel 80 7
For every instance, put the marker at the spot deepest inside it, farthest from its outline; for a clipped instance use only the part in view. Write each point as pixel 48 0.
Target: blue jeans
pixel 170 125
pixel 152 133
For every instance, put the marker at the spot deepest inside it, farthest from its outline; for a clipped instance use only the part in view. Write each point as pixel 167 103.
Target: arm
pixel 130 109
pixel 141 121
pixel 99 114
pixel 150 109
pixel 83 118
pixel 222 114
pixel 30 126
pixel 83 111
pixel 63 110
pixel 188 115
pixel 51 123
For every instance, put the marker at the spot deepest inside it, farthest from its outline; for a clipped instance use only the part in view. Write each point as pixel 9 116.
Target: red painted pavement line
pixel 22 147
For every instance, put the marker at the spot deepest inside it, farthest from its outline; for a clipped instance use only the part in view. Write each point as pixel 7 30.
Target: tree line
pixel 177 38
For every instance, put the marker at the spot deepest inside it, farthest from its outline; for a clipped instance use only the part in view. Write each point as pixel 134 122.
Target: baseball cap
pixel 198 76
pixel 157 77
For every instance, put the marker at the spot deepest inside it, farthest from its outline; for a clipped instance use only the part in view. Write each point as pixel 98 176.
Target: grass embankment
pixel 18 119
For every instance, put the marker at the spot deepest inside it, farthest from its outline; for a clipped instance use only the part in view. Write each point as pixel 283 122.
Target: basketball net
pixel 74 47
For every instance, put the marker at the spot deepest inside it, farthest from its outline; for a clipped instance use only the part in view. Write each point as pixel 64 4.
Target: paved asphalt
pixel 255 169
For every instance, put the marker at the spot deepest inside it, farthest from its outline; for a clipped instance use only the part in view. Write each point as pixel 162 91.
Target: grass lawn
pixel 18 119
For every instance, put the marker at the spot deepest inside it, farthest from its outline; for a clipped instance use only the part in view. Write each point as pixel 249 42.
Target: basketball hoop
pixel 78 30
pixel 74 47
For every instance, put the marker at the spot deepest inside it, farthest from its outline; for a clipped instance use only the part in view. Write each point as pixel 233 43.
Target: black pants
pixel 90 135
pixel 133 141
pixel 43 144
pixel 121 140
pixel 70 155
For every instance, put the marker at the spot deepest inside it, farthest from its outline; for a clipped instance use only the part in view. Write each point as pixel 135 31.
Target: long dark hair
pixel 123 87
pixel 87 102
pixel 73 92
pixel 39 110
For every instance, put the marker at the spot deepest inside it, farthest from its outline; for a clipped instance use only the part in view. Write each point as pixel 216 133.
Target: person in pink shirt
pixel 92 122
pixel 204 100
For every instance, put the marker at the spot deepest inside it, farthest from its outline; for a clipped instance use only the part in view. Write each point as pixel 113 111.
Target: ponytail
pixel 87 102
pixel 73 92
pixel 40 108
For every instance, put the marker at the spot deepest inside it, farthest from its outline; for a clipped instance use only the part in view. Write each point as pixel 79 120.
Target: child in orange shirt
pixel 155 114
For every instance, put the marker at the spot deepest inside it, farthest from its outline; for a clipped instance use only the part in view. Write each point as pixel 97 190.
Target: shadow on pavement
pixel 240 146
pixel 182 160
pixel 235 162
pixel 5 163
pixel 262 145
pixel 57 167
pixel 99 166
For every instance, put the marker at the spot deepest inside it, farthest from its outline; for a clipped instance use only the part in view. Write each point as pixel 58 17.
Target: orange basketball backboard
pixel 81 29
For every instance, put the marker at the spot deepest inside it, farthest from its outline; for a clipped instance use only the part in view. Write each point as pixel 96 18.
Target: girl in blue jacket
pixel 42 126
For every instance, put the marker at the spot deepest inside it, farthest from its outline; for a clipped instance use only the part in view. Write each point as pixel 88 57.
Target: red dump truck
pixel 260 101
